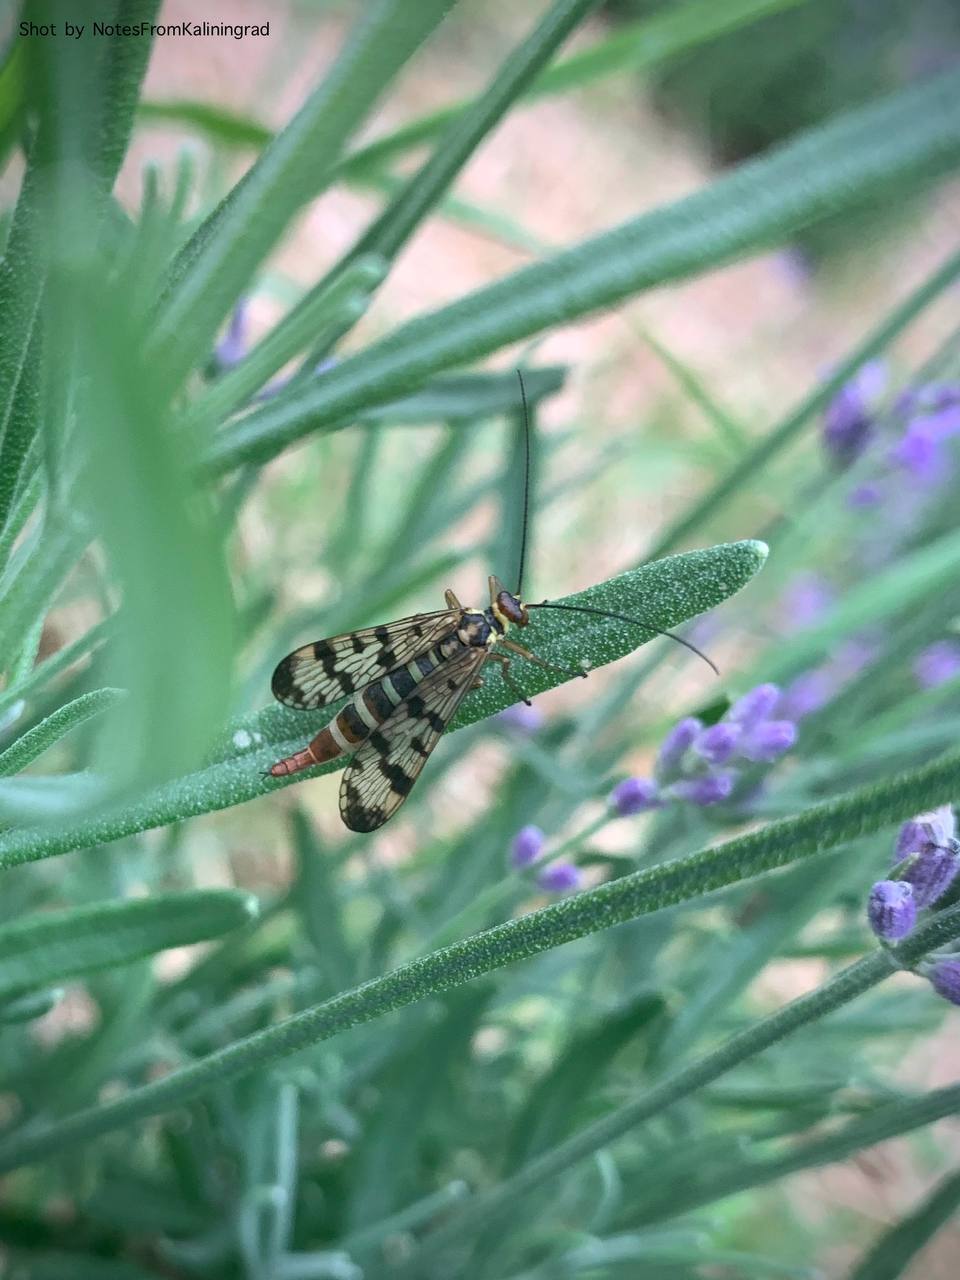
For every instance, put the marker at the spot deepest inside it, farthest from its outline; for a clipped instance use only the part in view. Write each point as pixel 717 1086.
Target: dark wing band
pixel 328 670
pixel 382 773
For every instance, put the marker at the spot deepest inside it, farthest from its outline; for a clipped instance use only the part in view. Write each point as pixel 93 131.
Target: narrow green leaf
pixel 905 139
pixel 103 86
pixel 21 285
pixel 557 1098
pixel 779 844
pixel 468 397
pixel 225 127
pixel 47 948
pixel 63 721
pixel 40 575
pixel 316 896
pixel 318 319
pixel 664 594
pixel 18 457
pixel 22 508
pixel 125 66
pixel 729 431
pixel 164 551
pixel 895 1250
pixel 293 169
pixel 53 666
pixel 468 127
pixel 889 1120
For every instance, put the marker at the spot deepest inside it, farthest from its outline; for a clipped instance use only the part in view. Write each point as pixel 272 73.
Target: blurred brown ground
pixel 756 332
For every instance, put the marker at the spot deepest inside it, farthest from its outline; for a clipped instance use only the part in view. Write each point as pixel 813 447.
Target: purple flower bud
pixel 717 744
pixel 560 877
pixel 928 396
pixel 925 832
pixel 768 741
pixel 521 718
pixel 891 909
pixel 919 451
pixel 932 872
pixel 527 846
pixel 945 978
pixel 676 742
pixel 864 496
pixel 756 704
pixel 635 795
pixel 808 693
pixel 941 423
pixel 937 664
pixel 807 598
pixel 232 347
pixel 709 789
pixel 848 420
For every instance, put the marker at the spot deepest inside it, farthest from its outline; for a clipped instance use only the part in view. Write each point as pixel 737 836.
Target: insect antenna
pixel 526 482
pixel 622 617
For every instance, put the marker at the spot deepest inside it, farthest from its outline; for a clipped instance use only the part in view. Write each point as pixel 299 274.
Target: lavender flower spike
pixel 709 789
pixel 932 873
pixel 560 877
pixel 932 852
pixel 675 744
pixel 891 909
pixel 756 704
pixel 945 979
pixel 848 420
pixel 767 741
pixel 635 795
pixel 717 744
pixel 936 664
pixel 527 846
pixel 925 832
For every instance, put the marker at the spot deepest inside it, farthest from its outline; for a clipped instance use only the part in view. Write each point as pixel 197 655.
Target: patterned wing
pixel 328 670
pixel 380 776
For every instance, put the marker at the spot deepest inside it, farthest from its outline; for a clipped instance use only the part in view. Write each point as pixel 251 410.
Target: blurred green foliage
pixel 393 1058
pixel 791 70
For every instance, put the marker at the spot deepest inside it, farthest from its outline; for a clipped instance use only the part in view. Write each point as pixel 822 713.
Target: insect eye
pixel 511 608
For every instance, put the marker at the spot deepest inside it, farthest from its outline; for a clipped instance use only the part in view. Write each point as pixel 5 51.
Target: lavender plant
pixel 524 1039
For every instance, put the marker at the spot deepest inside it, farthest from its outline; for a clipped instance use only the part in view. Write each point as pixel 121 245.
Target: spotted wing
pixel 381 774
pixel 328 670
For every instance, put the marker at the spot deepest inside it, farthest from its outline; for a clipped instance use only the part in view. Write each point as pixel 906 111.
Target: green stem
pixel 776 845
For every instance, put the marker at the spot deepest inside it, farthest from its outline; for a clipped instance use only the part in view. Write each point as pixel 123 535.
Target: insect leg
pixel 521 652
pixel 508 680
pixel 452 601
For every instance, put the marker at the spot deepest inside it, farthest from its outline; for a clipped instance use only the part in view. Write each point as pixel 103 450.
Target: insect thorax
pixel 478 629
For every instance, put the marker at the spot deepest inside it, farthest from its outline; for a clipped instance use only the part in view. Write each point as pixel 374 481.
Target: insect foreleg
pixel 521 652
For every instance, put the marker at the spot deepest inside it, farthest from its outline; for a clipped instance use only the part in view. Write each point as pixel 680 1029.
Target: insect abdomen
pixel 366 711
